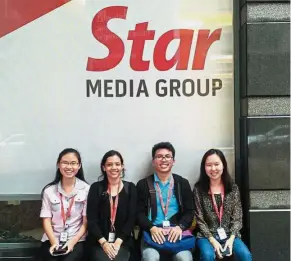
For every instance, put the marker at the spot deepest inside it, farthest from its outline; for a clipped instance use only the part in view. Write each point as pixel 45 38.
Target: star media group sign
pixel 139 36
pixel 98 75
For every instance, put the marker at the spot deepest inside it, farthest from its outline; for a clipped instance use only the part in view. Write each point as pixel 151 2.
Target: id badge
pixel 221 233
pixel 64 237
pixel 166 224
pixel 111 237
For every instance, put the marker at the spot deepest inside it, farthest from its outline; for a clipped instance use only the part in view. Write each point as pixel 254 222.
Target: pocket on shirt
pixel 55 203
pixel 80 202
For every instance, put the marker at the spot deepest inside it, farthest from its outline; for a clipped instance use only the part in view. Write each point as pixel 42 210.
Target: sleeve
pixel 142 209
pixel 93 206
pixel 188 206
pixel 199 215
pixel 236 217
pixel 84 212
pixel 46 210
pixel 131 217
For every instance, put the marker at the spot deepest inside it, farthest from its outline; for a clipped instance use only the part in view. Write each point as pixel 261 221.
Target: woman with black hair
pixel 111 212
pixel 64 210
pixel 218 211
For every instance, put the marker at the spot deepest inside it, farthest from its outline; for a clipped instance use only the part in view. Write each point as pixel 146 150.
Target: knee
pixel 207 255
pixel 184 256
pixel 243 254
pixel 150 254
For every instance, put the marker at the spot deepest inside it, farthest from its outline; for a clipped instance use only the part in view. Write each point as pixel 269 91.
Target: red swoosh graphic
pixel 17 13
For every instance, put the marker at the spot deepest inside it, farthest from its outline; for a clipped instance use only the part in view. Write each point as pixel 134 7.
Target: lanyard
pixel 113 206
pixel 165 208
pixel 219 212
pixel 65 216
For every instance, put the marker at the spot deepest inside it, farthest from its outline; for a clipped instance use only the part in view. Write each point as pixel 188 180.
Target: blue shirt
pixel 173 206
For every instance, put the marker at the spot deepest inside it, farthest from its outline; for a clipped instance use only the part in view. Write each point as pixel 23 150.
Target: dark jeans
pixel 75 255
pixel 97 254
pixel 240 250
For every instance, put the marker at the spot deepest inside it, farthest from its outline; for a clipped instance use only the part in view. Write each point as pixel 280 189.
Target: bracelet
pixel 103 243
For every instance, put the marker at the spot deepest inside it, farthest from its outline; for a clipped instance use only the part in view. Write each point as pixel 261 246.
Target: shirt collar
pixel 78 186
pixel 156 179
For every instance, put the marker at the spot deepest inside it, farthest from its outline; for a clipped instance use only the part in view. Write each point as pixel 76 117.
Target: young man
pixel 173 204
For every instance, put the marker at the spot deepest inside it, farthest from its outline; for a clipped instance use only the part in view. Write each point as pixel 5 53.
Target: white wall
pixel 44 108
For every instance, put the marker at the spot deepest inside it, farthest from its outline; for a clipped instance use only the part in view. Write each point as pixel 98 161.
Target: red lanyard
pixel 219 212
pixel 68 214
pixel 165 208
pixel 113 206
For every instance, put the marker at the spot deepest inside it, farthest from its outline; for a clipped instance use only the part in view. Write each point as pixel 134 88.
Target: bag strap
pixel 152 202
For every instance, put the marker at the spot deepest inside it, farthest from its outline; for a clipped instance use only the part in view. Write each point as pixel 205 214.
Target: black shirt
pixel 98 213
pixel 218 201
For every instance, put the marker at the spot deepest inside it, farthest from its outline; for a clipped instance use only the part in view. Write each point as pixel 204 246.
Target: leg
pixel 240 250
pixel 44 252
pixel 206 249
pixel 77 254
pixel 149 253
pixel 97 254
pixel 123 255
pixel 183 256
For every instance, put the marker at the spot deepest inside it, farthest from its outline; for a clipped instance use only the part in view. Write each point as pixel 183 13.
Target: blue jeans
pixel 240 250
pixel 151 254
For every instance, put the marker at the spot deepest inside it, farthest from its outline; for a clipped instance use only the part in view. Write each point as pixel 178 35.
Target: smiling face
pixel 69 165
pixel 214 167
pixel 163 161
pixel 113 167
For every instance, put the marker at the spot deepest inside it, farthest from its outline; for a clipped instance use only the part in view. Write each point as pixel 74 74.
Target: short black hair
pixel 163 145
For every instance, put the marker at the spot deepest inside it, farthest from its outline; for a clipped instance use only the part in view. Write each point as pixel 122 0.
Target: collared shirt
pixel 173 206
pixel 51 208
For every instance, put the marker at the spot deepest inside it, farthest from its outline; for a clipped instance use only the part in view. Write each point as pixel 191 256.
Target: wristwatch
pixel 182 227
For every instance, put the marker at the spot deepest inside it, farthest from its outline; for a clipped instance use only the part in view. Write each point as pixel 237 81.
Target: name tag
pixel 221 233
pixel 111 237
pixel 166 224
pixel 64 237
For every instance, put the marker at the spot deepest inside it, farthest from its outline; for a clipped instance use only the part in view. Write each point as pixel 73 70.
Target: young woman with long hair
pixel 111 212
pixel 64 210
pixel 218 211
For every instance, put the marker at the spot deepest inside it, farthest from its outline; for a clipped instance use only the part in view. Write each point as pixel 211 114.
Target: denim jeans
pixel 240 250
pixel 151 254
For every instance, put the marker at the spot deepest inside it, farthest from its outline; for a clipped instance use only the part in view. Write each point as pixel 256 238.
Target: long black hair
pixel 58 177
pixel 108 154
pixel 204 181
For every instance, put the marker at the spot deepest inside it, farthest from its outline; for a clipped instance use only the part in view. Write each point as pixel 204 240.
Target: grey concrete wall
pixel 264 125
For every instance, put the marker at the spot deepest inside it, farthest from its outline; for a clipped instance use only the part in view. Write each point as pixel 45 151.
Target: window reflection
pixel 19 221
pixel 269 153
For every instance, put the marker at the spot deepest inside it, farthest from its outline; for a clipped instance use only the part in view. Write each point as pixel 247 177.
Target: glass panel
pixel 269 153
pixel 19 221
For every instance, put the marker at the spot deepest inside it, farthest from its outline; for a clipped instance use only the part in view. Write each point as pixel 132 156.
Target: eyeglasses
pixel 73 164
pixel 166 157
